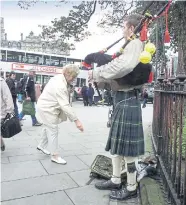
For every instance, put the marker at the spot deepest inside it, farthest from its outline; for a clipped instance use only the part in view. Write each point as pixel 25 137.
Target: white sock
pixel 116 163
pixel 131 181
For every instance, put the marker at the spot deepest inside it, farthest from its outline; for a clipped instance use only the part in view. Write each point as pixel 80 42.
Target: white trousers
pixel 49 138
pixel 131 177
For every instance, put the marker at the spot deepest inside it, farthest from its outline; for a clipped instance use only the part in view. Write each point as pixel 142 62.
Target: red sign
pixel 36 68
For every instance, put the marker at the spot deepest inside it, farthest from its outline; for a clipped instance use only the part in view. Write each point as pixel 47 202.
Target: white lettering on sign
pixel 37 68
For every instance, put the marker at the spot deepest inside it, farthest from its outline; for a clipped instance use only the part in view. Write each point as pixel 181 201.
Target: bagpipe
pixel 142 73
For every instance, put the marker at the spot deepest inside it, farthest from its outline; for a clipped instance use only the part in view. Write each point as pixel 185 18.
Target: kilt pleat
pixel 126 137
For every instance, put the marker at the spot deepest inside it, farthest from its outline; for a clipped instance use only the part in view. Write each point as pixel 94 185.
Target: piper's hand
pixel 90 75
pixel 28 98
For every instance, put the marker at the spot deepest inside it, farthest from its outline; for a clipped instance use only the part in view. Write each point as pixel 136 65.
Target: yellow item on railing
pixel 145 57
pixel 150 47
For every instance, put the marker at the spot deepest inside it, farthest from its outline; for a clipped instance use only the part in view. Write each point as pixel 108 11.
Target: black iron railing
pixel 169 136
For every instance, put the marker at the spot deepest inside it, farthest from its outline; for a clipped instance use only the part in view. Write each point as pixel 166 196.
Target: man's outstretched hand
pixel 79 125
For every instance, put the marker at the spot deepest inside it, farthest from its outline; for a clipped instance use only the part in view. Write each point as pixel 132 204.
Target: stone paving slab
pixel 88 158
pixel 4 160
pixel 88 195
pixel 22 144
pixel 73 164
pixel 34 186
pixel 19 152
pixel 70 147
pixel 82 177
pixel 71 152
pixel 21 170
pixel 32 157
pixel 55 198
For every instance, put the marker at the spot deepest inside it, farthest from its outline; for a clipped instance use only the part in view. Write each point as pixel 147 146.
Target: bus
pixel 45 65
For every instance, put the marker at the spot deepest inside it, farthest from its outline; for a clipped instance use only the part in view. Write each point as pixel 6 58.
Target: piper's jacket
pixel 120 67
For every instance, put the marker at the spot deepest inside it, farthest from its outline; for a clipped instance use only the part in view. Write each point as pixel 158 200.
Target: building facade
pixel 35 43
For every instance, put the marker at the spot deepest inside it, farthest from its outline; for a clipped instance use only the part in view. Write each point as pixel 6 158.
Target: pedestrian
pixel 54 107
pixel 90 94
pixel 11 84
pixel 84 93
pixel 7 105
pixel 126 137
pixel 145 97
pixel 29 94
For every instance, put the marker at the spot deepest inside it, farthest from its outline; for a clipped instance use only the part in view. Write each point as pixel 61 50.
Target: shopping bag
pixel 28 108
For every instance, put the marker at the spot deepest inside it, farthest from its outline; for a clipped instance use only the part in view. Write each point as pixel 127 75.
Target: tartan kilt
pixel 126 137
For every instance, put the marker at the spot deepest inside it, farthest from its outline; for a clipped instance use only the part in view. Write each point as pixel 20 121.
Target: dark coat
pixel 29 88
pixel 11 84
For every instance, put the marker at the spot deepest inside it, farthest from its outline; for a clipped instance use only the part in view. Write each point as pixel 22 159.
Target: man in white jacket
pixel 53 107
pixel 7 106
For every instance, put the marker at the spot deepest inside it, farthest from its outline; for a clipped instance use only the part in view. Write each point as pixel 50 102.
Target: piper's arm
pixel 120 66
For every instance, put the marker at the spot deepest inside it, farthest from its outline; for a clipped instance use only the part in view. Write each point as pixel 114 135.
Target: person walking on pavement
pixel 11 84
pixel 53 107
pixel 29 94
pixel 84 93
pixel 126 137
pixel 145 97
pixel 90 94
pixel 7 105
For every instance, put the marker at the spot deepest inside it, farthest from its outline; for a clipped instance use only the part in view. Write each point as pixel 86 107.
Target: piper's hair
pixel 71 69
pixel 133 19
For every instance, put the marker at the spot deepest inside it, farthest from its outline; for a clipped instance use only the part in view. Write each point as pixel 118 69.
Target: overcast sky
pixel 19 21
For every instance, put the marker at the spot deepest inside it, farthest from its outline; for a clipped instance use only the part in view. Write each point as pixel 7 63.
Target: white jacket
pixel 53 106
pixel 7 105
pixel 120 67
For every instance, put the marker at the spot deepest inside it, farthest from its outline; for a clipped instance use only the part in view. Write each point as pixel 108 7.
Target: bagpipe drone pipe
pixel 142 73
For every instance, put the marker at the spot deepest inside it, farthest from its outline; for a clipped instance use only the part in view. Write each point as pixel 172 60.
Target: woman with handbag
pixel 7 106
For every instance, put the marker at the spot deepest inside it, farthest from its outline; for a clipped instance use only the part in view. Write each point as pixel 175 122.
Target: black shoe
pixel 123 194
pixel 107 185
pixel 37 124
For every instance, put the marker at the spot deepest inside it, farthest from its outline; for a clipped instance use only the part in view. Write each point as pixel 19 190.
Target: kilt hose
pixel 126 137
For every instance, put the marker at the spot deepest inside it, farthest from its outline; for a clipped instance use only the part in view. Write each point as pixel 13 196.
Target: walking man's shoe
pixel 43 150
pixel 58 160
pixel 123 194
pixel 107 185
pixel 37 124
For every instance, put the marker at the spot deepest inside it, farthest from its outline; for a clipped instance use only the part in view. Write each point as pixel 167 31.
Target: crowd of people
pixel 91 96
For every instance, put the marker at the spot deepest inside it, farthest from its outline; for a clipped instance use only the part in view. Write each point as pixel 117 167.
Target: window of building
pixel 38 79
pixel 46 60
pixel 14 56
pixel 34 59
pixel 55 61
pixel 3 55
pixel 45 79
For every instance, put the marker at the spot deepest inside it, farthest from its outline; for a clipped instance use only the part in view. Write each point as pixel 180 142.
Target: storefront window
pixel 46 78
pixel 38 79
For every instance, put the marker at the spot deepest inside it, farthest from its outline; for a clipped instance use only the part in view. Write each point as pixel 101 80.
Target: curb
pixel 150 190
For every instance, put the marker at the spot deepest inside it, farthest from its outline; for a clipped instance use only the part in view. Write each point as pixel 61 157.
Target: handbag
pixel 10 126
pixel 28 108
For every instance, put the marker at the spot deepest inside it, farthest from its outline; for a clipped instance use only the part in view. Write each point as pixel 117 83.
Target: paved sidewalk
pixel 30 178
